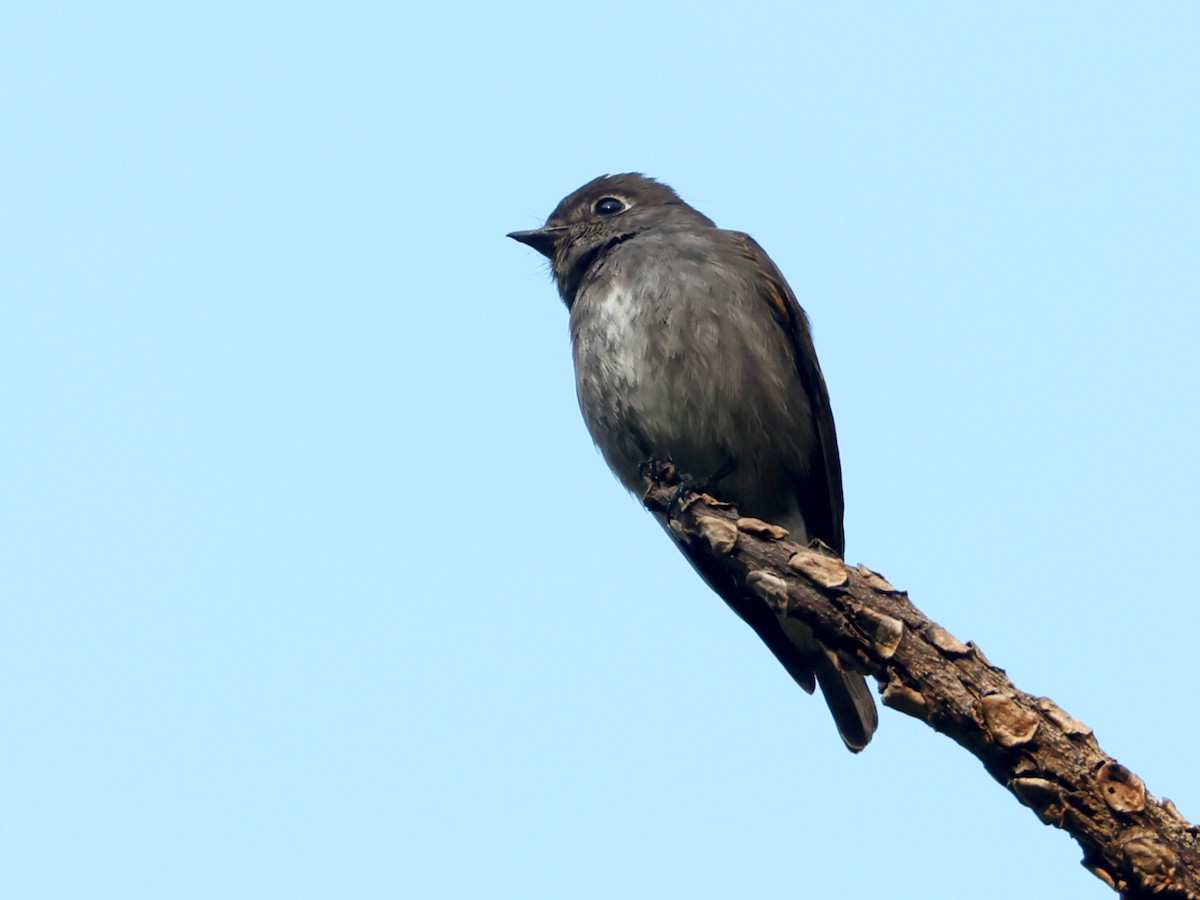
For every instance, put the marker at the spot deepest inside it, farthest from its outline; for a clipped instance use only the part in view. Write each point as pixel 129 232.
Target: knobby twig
pixel 1139 845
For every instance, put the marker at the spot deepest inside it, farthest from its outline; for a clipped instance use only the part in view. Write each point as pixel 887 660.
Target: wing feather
pixel 820 492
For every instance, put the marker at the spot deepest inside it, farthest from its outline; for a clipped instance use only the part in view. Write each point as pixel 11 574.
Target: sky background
pixel 313 584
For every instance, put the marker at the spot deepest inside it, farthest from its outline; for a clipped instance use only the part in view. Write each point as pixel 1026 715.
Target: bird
pixel 689 345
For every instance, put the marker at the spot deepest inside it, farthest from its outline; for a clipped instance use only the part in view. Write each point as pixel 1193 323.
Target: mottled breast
pixel 677 355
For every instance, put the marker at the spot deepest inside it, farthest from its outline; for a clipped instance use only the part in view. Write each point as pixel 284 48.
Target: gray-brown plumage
pixel 689 344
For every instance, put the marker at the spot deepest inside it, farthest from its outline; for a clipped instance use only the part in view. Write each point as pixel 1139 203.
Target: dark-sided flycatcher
pixel 689 345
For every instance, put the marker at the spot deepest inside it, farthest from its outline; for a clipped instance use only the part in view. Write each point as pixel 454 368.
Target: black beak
pixel 540 239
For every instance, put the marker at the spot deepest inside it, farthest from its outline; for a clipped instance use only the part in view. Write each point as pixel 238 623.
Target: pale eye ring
pixel 608 206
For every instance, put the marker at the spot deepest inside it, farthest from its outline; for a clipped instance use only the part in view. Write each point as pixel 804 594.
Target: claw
pixel 686 485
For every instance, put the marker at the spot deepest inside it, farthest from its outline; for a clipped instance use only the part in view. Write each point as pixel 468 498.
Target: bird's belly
pixel 655 384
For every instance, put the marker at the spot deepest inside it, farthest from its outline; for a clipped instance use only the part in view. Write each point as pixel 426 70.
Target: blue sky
pixel 314 585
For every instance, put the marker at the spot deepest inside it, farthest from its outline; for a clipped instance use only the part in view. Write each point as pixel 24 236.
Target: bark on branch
pixel 1139 845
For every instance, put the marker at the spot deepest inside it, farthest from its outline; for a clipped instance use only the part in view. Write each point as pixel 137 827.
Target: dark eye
pixel 609 206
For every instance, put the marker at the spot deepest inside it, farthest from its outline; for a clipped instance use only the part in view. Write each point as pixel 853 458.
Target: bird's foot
pixel 660 469
pixel 688 484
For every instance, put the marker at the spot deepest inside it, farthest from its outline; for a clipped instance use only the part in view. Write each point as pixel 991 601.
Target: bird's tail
pixel 849 700
pixel 802 655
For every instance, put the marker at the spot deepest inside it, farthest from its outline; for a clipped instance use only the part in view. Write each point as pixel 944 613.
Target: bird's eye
pixel 609 206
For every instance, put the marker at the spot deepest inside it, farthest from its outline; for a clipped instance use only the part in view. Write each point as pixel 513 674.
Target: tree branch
pixel 1138 845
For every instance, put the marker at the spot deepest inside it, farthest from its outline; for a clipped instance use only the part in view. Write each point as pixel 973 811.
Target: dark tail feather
pixel 846 693
pixel 849 700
